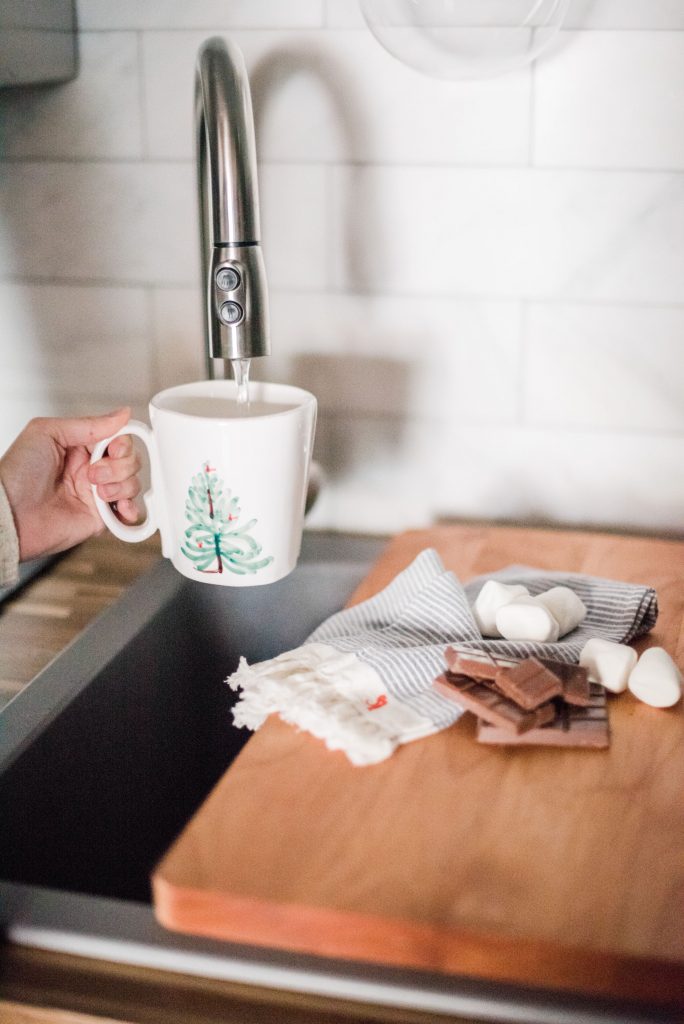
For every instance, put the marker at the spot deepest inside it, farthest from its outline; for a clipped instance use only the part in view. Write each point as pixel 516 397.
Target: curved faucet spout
pixel 233 274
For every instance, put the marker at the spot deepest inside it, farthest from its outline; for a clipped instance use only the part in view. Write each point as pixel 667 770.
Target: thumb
pixel 87 430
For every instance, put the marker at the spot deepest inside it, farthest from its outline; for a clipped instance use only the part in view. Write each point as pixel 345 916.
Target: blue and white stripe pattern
pixel 402 631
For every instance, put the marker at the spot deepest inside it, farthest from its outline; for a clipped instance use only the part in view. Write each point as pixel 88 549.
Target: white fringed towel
pixel 362 682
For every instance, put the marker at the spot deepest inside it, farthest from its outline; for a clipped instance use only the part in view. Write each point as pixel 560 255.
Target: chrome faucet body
pixel 233 273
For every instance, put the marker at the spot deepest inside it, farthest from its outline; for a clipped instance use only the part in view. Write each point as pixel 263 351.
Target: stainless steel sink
pixel 106 754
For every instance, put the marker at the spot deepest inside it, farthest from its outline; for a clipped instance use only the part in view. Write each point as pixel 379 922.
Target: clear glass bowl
pixel 465 38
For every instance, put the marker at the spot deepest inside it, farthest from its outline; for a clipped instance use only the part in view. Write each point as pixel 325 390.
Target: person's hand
pixel 47 476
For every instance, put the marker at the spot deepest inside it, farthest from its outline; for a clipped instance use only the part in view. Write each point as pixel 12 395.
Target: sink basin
pixel 107 753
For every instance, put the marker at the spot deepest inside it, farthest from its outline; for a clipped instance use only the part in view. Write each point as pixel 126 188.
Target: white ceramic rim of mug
pixel 297 397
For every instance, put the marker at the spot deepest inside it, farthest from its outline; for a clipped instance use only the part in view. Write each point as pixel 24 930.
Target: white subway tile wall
pixel 605 367
pixel 482 281
pixel 522 232
pixel 605 101
pixel 75 342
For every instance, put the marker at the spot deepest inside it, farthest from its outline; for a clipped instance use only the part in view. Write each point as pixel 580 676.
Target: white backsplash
pixel 483 282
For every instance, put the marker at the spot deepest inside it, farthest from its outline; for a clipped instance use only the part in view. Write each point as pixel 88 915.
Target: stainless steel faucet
pixel 233 273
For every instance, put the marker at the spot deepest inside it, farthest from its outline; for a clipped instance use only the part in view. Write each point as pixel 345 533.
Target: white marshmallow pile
pixel 510 612
pixel 653 678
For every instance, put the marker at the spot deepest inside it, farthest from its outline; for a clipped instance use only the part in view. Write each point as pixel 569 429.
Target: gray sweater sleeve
pixel 9 542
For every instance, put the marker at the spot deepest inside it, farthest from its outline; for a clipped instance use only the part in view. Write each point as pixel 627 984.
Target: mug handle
pixel 140 531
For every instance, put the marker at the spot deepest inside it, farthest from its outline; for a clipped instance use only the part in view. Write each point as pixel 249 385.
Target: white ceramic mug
pixel 228 485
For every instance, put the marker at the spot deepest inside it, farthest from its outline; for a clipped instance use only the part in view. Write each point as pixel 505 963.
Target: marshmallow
pixel 494 595
pixel 656 679
pixel 608 663
pixel 526 618
pixel 565 606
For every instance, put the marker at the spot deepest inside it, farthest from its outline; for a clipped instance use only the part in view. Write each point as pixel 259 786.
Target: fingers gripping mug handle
pixel 143 530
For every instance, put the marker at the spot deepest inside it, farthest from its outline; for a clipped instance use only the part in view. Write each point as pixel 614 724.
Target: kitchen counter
pixel 211 980
pixel 40 618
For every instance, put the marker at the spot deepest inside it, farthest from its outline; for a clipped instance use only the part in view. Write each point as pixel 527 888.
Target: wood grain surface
pixel 16 1013
pixel 38 622
pixel 554 868
pixel 56 988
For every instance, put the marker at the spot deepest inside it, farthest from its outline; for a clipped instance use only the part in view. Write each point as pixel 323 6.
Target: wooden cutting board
pixel 555 868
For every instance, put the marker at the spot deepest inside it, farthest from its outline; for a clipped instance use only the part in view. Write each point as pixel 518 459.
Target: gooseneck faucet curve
pixel 233 273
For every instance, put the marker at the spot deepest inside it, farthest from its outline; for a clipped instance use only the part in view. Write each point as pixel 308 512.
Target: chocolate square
pixel 529 683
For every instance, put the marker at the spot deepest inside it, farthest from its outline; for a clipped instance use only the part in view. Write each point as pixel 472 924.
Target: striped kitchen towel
pixel 362 681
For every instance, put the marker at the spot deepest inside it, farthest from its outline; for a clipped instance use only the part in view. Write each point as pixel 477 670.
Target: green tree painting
pixel 213 540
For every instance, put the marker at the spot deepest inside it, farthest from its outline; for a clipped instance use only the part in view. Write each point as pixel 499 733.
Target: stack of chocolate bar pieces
pixel 530 701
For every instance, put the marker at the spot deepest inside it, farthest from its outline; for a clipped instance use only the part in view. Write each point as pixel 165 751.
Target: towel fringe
pixel 335 696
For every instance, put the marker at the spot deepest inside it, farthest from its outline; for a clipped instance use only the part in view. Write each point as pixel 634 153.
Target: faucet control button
pixel 231 313
pixel 227 279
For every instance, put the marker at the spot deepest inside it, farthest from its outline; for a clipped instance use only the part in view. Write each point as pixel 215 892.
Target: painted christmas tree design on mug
pixel 212 541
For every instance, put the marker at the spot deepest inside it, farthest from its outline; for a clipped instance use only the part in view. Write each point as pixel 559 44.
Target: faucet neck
pixel 226 151
pixel 233 273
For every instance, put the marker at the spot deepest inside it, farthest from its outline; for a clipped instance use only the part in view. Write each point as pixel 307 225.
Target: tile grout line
pixel 502 425
pixel 371 165
pixel 328 26
pixel 153 354
pixel 522 364
pixel 142 96
pixel 544 427
pixel 330 233
pixel 460 298
pixel 532 113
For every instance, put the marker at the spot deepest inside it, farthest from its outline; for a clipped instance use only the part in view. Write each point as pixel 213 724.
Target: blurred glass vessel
pixel 465 38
